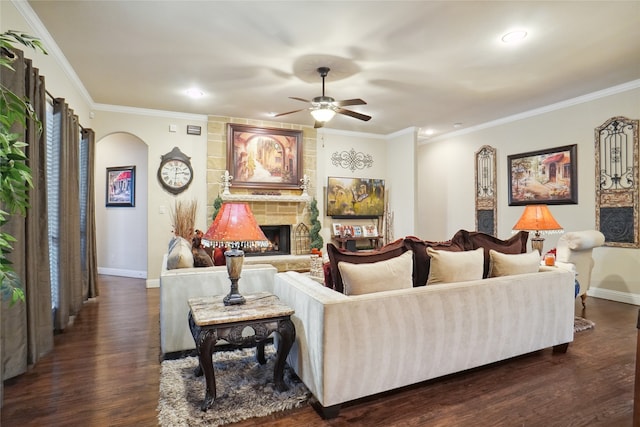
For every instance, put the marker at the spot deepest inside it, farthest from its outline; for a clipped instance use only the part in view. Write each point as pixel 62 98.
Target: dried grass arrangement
pixel 183 217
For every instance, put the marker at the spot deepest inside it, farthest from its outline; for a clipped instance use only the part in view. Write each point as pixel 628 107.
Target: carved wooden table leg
pixel 260 353
pixel 287 336
pixel 206 345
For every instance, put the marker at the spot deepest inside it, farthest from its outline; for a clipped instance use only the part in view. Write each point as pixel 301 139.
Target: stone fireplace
pixel 271 207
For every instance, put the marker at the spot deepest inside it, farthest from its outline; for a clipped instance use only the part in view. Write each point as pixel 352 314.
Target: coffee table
pixel 243 325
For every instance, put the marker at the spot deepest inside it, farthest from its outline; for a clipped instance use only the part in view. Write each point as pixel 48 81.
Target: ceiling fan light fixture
pixel 323 114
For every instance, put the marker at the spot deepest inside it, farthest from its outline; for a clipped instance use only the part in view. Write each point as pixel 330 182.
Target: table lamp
pixel 235 227
pixel 537 218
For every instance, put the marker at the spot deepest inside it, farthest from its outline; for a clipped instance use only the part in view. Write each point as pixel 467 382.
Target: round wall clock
pixel 175 172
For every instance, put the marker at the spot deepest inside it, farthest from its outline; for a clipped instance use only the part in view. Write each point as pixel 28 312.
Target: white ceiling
pixel 427 64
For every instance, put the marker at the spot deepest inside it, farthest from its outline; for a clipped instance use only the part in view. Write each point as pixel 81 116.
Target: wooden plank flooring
pixel 104 372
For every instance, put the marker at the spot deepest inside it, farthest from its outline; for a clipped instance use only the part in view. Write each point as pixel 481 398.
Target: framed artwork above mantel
pixel 267 158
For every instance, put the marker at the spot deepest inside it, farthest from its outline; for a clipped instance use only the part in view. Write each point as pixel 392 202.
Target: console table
pixel 210 321
pixel 349 243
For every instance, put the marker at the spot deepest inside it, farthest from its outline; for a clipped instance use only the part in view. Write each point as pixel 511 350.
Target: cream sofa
pixel 178 285
pixel 349 347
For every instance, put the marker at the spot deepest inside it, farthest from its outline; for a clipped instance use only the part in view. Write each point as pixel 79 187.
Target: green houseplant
pixel 314 233
pixel 15 174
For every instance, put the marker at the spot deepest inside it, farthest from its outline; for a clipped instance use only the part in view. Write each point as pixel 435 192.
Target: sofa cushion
pixel 180 255
pixel 509 264
pixel 515 245
pixel 336 255
pixel 459 242
pixel 394 273
pixel 449 267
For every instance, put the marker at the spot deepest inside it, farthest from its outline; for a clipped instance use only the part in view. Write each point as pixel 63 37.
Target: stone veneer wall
pixel 270 212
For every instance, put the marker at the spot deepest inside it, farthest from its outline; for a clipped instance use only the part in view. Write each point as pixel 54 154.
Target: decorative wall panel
pixel 486 192
pixel 616 150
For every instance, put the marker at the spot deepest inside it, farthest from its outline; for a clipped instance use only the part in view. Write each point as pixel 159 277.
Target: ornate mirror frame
pixel 486 191
pixel 616 152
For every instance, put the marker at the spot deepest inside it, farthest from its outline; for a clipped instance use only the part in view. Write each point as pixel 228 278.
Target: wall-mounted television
pixel 355 197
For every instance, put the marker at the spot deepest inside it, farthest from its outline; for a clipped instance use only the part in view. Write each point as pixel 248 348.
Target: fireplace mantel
pixel 266 198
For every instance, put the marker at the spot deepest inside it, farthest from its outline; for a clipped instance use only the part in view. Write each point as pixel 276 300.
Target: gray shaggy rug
pixel 582 324
pixel 245 389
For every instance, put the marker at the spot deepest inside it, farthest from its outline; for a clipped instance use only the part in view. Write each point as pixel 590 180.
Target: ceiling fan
pixel 323 108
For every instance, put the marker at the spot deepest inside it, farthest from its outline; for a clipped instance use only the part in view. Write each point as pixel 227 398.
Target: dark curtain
pixel 70 283
pixel 38 283
pixel 90 264
pixel 26 328
pixel 14 318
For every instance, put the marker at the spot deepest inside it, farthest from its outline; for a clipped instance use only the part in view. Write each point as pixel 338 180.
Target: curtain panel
pixel 27 328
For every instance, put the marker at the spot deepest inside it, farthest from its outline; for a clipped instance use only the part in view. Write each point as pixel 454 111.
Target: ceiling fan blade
pixel 289 112
pixel 353 114
pixel 299 99
pixel 318 125
pixel 347 102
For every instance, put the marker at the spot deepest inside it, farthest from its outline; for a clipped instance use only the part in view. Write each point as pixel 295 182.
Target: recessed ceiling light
pixel 514 36
pixel 457 125
pixel 194 93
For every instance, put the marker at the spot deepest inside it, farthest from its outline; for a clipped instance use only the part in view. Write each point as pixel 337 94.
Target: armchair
pixel 576 247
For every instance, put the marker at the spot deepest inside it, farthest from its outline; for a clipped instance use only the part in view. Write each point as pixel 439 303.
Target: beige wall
pixel 446 175
pixel 153 129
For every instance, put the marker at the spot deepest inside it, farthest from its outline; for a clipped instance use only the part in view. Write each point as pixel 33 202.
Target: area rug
pixel 245 390
pixel 582 324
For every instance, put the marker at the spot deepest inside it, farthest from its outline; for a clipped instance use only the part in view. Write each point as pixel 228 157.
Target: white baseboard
pixel 625 297
pixel 153 283
pixel 123 273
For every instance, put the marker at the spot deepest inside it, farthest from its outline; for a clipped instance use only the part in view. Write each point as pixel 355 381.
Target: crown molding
pixel 149 112
pixel 52 47
pixel 624 87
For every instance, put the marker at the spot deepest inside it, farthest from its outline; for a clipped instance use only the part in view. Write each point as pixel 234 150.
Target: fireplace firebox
pixel 279 237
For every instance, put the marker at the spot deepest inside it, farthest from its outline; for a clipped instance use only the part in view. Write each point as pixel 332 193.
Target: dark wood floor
pixel 104 372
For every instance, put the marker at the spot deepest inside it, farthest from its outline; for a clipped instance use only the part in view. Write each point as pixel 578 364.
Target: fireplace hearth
pixel 279 237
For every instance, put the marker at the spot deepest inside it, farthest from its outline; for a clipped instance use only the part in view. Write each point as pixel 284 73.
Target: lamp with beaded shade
pixel 235 227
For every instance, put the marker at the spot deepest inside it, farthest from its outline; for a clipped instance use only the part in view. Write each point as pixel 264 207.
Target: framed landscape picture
pixel 544 177
pixel 260 157
pixel 355 197
pixel 121 186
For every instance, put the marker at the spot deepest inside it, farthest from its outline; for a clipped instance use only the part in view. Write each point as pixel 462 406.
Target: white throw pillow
pixel 450 267
pixel 509 264
pixel 394 273
pixel 180 255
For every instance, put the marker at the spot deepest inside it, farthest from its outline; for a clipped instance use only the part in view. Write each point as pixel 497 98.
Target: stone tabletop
pixel 211 310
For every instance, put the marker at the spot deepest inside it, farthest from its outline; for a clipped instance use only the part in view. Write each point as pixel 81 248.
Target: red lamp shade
pixel 234 223
pixel 537 218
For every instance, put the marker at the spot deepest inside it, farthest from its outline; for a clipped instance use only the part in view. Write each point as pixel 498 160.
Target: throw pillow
pixel 337 255
pixel 201 258
pixel 510 264
pixel 218 256
pixel 180 255
pixel 394 273
pixel 421 261
pixel 515 245
pixel 449 267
